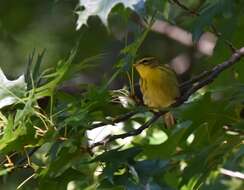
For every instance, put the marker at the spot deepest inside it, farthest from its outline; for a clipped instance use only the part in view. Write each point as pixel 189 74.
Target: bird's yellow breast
pixel 159 86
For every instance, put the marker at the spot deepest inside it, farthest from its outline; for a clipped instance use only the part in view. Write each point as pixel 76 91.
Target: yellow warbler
pixel 158 84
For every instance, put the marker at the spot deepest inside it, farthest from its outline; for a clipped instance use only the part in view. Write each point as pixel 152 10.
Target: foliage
pixel 45 130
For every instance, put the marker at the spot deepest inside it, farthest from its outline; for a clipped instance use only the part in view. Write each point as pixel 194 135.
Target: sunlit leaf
pixel 102 9
pixel 11 91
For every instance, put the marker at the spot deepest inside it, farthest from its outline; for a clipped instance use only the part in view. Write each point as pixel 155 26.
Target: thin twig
pixel 27 157
pixel 10 163
pixel 232 173
pixel 6 158
pixel 25 181
pixel 184 7
pixel 114 121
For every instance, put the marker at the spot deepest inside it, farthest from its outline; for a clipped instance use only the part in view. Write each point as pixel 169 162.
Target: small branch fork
pixel 197 82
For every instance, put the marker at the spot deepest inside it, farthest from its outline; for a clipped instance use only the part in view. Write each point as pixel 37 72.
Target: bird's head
pixel 146 65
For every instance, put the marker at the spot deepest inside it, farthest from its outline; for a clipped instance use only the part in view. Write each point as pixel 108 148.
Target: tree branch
pixel 204 79
pixel 194 79
pixel 230 173
pixel 114 121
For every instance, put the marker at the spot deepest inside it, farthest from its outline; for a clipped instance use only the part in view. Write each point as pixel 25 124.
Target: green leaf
pixel 11 91
pixel 62 70
pixel 155 5
pixel 116 159
pixel 60 182
pixel 116 156
pixel 32 75
pixel 64 158
pixel 146 169
pixel 211 112
pixel 15 139
pixel 168 148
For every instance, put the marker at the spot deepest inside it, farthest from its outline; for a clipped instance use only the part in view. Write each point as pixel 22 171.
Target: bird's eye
pixel 145 61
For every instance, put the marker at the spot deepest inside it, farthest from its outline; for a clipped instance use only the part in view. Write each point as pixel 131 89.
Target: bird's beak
pixel 135 65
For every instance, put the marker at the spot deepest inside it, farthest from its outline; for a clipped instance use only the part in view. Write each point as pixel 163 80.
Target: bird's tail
pixel 169 120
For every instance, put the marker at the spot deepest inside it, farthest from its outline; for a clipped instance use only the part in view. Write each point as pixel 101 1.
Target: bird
pixel 158 84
